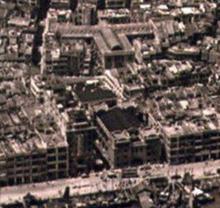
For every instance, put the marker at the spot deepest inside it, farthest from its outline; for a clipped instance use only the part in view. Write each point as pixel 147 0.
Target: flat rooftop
pixel 120 119
pixel 93 92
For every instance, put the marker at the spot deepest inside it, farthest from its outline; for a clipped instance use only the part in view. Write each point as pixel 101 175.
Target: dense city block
pixel 124 94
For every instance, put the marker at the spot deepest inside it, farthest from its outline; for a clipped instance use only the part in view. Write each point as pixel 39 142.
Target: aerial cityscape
pixel 109 104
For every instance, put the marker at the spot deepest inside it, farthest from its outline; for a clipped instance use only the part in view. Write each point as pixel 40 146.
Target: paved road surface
pixel 197 169
pixel 78 186
pixel 96 184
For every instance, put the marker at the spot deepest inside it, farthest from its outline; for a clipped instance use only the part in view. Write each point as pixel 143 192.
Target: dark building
pixel 126 139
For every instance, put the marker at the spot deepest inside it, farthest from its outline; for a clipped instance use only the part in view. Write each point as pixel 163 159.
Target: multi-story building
pixel 32 148
pixel 126 138
pixel 67 59
pixel 60 4
pixel 81 136
pixel 115 4
pixel 192 146
pixel 32 3
pixel 189 127
pixel 70 101
pixel 3 17
pixel 86 14
pixel 32 155
pixel 94 92
pixel 142 56
pixel 110 16
pixel 21 164
pixel 113 51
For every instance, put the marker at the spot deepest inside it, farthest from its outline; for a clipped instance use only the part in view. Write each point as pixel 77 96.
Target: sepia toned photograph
pixel 109 103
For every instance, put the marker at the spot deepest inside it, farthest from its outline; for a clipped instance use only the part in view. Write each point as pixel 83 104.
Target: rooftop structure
pixel 89 85
pixel 126 137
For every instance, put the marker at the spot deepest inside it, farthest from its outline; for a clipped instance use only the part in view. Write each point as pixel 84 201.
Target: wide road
pixel 198 169
pixel 52 189
pixel 94 183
